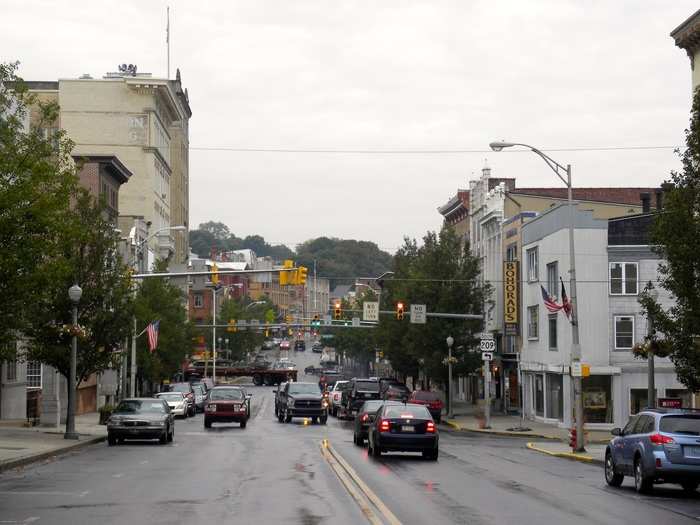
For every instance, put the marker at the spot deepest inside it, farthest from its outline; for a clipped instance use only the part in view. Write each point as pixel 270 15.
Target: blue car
pixel 656 446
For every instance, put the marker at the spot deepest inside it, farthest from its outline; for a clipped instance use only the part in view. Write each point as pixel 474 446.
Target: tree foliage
pixel 36 182
pixel 216 235
pixel 676 235
pixel 242 342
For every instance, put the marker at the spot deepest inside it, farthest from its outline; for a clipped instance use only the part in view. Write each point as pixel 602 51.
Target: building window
pixel 552 279
pixel 532 322
pixel 33 374
pixel 198 300
pixel 552 331
pixel 11 368
pixel 597 399
pixel 624 332
pixel 623 278
pixel 638 399
pixel 512 252
pixel 532 274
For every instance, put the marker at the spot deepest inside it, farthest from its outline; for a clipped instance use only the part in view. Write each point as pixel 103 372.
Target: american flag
pixel 549 303
pixel 565 304
pixel 152 330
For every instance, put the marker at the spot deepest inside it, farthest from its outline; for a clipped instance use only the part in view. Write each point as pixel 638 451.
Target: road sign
pixel 579 369
pixel 487 345
pixel 487 356
pixel 356 321
pixel 418 313
pixel 370 311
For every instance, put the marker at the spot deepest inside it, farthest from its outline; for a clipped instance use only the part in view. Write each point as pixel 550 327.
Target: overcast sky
pixel 378 74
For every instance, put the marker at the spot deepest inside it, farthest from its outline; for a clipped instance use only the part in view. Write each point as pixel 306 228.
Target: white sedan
pixel 176 401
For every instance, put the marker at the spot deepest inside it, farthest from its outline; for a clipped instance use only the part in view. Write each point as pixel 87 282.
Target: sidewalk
pixel 21 445
pixel 594 453
pixel 466 419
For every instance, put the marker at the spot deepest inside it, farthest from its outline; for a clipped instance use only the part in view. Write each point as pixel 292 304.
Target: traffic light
pixel 287 277
pixel 399 311
pixel 301 275
pixel 337 311
pixel 231 325
pixel 316 321
pixel 214 275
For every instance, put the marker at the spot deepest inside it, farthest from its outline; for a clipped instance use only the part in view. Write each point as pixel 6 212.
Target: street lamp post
pixel 564 174
pixel 450 341
pixel 651 387
pixel 74 293
pixel 134 262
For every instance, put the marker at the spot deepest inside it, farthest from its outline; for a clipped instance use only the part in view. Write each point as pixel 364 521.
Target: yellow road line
pixel 366 491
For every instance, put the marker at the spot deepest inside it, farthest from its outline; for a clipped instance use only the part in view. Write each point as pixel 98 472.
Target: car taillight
pixel 384 425
pixel 659 439
pixel 365 417
pixel 430 427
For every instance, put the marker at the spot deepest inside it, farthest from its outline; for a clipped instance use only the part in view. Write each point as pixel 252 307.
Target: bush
pixel 105 412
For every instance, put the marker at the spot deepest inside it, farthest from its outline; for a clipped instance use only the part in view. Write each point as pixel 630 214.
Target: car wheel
pixel 689 486
pixel 287 417
pixel 163 438
pixel 334 412
pixel 323 419
pixel 171 435
pixel 642 484
pixel 207 423
pixel 314 419
pixel 111 440
pixel 244 422
pixel 280 417
pixel 431 455
pixel 376 451
pixel 612 478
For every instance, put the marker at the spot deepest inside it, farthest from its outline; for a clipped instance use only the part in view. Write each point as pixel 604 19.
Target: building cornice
pixel 687 35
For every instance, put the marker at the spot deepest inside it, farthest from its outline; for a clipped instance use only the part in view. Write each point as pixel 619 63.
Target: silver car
pixel 176 401
pixel 656 446
pixel 141 418
pixel 336 395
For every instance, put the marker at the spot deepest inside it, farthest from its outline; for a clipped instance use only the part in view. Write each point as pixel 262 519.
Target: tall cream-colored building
pixel 687 36
pixel 144 121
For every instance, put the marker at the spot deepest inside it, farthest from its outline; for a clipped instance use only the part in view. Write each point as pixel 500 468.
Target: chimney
pixel 646 202
pixel 659 199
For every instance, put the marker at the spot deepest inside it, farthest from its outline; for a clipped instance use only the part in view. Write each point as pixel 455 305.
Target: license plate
pixel 368 395
pixel 692 452
pixel 407 428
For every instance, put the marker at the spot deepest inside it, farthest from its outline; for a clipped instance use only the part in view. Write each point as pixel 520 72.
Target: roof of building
pixel 687 35
pixel 340 291
pixel 111 163
pixel 610 195
pixel 461 200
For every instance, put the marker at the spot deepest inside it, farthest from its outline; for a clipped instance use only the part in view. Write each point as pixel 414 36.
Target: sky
pixel 377 75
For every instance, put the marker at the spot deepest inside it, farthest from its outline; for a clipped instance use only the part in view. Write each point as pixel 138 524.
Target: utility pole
pixel 213 334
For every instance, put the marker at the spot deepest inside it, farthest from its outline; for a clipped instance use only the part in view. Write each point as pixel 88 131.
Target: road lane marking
pixel 340 466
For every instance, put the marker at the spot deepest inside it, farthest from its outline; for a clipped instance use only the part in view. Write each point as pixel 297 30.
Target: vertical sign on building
pixel 510 296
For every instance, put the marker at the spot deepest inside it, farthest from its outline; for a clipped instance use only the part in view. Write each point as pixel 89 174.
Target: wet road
pixel 272 472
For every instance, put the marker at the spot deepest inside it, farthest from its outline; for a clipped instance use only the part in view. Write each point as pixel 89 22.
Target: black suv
pixel 301 400
pixel 299 346
pixel 360 390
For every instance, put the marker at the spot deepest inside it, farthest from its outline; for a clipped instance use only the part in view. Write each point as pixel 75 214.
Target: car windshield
pixel 681 424
pixel 226 394
pixel 407 411
pixel 133 406
pixel 424 395
pixel 367 386
pixel 171 396
pixel 304 388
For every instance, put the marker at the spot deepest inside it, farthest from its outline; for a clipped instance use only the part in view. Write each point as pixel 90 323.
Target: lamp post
pixel 74 293
pixel 450 341
pixel 564 174
pixel 651 387
pixel 134 262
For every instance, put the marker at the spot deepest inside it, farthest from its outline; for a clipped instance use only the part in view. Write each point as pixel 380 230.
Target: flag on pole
pixel 152 330
pixel 549 303
pixel 565 304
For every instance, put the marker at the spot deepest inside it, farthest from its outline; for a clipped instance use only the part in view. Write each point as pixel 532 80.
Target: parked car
pixel 656 446
pixel 185 388
pixel 302 400
pixel 403 428
pixel 317 347
pixel 141 418
pixel 365 418
pixel 226 404
pixel 396 392
pixel 299 346
pixel 176 401
pixel 199 397
pixel 360 390
pixel 430 400
pixel 336 395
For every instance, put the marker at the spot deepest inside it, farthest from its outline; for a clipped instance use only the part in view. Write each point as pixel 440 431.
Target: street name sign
pixel 370 311
pixel 487 356
pixel 487 344
pixel 418 312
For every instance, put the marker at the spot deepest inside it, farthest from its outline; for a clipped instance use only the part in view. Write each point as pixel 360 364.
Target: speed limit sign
pixel 488 345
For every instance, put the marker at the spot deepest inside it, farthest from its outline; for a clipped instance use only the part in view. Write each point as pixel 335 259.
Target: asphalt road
pixel 273 472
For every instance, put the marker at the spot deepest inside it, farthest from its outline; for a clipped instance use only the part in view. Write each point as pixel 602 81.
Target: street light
pixel 74 293
pixel 651 387
pixel 564 174
pixel 450 341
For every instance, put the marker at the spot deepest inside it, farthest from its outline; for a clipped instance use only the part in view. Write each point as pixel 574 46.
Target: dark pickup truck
pixel 359 391
pixel 301 400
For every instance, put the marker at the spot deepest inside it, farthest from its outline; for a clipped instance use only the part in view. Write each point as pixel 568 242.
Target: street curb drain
pixel 28 460
pixel 566 455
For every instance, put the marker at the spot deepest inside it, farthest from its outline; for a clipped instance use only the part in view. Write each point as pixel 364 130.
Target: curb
pixel 566 455
pixel 458 427
pixel 28 460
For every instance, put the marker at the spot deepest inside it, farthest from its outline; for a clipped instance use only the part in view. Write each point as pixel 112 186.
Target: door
pixel 620 444
pixel 630 442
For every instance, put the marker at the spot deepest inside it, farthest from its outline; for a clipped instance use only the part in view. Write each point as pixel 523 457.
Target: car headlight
pixel 290 402
pixel 159 423
pixel 115 422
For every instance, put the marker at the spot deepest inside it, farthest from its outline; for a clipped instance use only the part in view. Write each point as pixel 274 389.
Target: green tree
pixel 158 299
pixel 676 235
pixel 242 342
pixel 36 182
